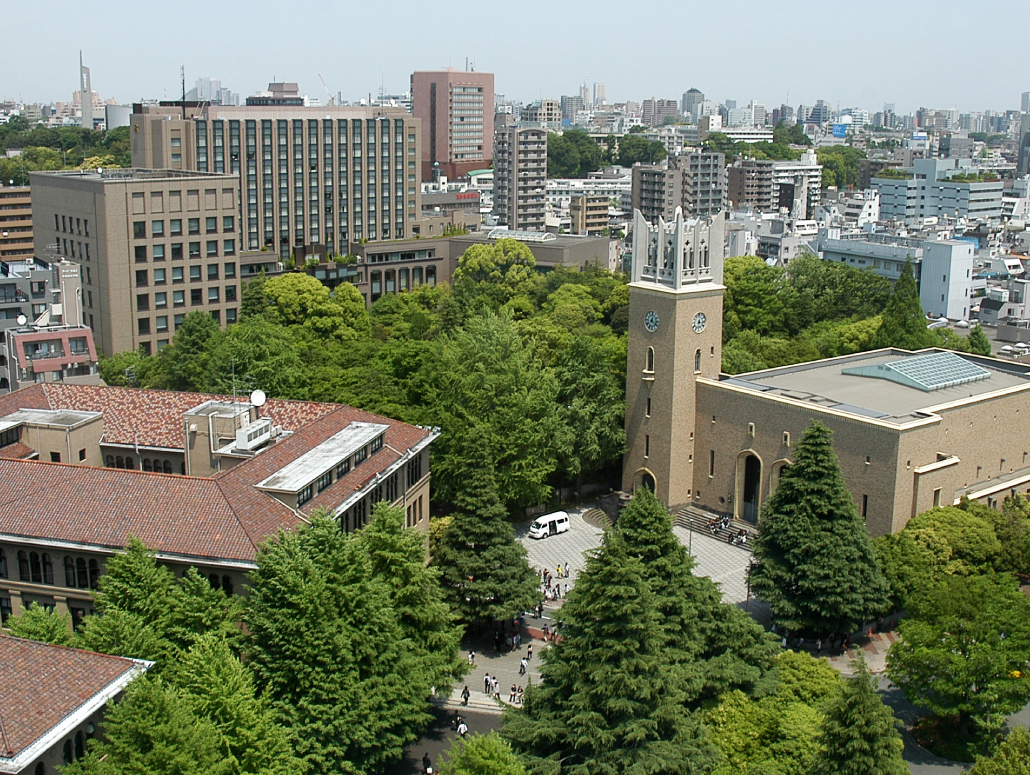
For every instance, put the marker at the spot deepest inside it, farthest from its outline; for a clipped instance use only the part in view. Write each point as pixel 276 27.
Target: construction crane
pixel 329 93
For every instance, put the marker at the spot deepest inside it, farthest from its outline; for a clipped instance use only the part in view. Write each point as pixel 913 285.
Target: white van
pixel 549 524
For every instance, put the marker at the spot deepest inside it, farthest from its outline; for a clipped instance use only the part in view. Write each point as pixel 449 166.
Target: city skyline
pixel 901 60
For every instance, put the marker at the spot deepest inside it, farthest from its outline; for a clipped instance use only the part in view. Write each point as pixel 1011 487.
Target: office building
pixel 691 99
pixel 152 245
pixel 54 701
pixel 313 180
pixel 456 108
pixel 600 94
pixel 654 111
pixel 912 430
pixel 570 106
pixel 1024 102
pixel 85 95
pixel 520 177
pixel 939 188
pixel 542 113
pixel 1023 160
pixel 770 186
pixel 201 479
pixel 589 214
pixel 15 223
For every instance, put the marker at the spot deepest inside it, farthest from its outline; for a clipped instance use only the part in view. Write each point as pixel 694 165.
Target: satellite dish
pixel 22 320
pixel 258 398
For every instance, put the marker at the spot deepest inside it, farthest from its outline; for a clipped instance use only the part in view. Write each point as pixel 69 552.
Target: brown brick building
pixel 15 223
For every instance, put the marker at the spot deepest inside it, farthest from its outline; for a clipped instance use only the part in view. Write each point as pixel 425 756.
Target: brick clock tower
pixel 675 336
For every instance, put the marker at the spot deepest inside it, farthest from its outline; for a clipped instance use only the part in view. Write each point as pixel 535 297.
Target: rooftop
pixel 123 174
pixel 48 691
pixel 909 386
pixel 324 457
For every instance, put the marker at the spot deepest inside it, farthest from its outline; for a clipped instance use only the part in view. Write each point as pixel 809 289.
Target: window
pixel 195 273
pixel 160 300
pixel 69 571
pixel 162 323
pixel 230 315
pixel 81 577
pixel 229 247
pixel 23 567
pixel 159 277
pixel 140 252
pixel 177 251
pixel 210 224
pixel 194 250
pixel 94 574
pixel 360 456
pixel 865 506
pixel 212 295
pixel 751 429
pixel 304 495
pixel 175 227
pixel 159 252
pixel 230 293
pixel 647 445
pixel 141 278
pixel 325 480
pixel 178 319
pixel 342 469
pixel 228 223
pixel 649 367
pixel 142 302
pixel 414 470
pixel 376 445
pixel 157 228
pixel 697 362
pixel 196 297
pixel 143 326
pixel 3 564
pixel 212 247
pixel 212 271
pixel 55 457
pixel 229 270
pixel 139 229
pixel 786 439
pixel 711 463
pixel 216 315
pixel 937 498
pixel 193 224
pixel 647 413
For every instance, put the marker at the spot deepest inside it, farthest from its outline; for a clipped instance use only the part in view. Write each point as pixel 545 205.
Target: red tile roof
pixel 17 451
pixel 44 684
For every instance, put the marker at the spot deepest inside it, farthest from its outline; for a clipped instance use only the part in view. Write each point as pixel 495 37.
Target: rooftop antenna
pixel 182 74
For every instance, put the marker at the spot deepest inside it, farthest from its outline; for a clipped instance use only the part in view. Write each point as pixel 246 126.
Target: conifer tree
pixel 859 734
pixel 978 342
pixel 483 568
pixel 42 624
pixel 608 701
pixel 903 324
pixel 718 645
pixel 817 568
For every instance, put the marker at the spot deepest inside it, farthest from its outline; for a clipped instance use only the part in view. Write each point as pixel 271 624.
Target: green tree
pixel 42 624
pixel 133 368
pixel 572 154
pixel 257 353
pixel 968 535
pixel 186 359
pixel 859 734
pixel 297 299
pixel 483 568
pixel 195 609
pixel 329 654
pixel 903 324
pixel 489 276
pixel 816 568
pixel 398 557
pixel 1011 758
pixel 482 755
pixel 964 650
pixel 253 301
pixel 978 342
pixel 637 148
pixel 608 702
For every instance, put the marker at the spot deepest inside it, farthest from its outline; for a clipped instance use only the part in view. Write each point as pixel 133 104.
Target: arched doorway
pixel 646 479
pixel 748 497
pixel 775 472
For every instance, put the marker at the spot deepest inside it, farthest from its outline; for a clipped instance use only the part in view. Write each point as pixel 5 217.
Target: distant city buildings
pixel 210 90
pixel 939 188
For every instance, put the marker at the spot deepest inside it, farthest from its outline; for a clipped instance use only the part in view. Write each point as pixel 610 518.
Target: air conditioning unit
pixel 252 436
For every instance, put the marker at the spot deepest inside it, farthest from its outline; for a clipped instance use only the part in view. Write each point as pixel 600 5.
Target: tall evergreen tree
pixel 903 324
pixel 978 342
pixel 483 568
pixel 718 646
pixel 42 624
pixel 608 701
pixel 817 568
pixel 398 557
pixel 328 652
pixel 859 734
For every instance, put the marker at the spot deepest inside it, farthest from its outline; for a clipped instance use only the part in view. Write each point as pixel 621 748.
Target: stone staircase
pixel 597 518
pixel 691 517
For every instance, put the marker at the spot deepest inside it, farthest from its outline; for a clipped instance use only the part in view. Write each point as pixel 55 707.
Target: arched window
pixel 23 567
pixel 213 578
pixel 67 752
pixel 227 585
pixel 83 578
pixel 80 745
pixel 167 466
pixel 119 462
pixel 147 465
pixel 94 574
pixel 69 571
pixel 3 564
pixel 109 461
pixel 130 463
pixel 697 362
pixel 650 359
pixel 36 568
pixel 40 769
pixel 48 569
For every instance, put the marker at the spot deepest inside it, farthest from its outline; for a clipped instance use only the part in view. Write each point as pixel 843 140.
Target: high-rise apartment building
pixel 771 185
pixel 1024 102
pixel 456 108
pixel 693 182
pixel 570 106
pixel 546 113
pixel 312 179
pixel 691 99
pixel 600 94
pixel 152 246
pixel 15 223
pixel 1023 161
pixel 654 111
pixel 520 177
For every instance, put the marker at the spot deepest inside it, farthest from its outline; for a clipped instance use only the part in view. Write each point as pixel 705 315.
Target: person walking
pixel 465 695
pixel 523 666
pixel 463 728
pixel 529 652
pixel 486 683
pixel 472 657
pixel 511 696
pixel 518 696
pixel 559 570
pixel 427 763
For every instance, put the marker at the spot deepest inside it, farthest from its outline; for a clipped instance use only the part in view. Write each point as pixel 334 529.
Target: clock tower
pixel 675 336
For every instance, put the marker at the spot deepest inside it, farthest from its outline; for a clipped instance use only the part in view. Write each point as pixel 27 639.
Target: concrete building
pixel 15 223
pixel 571 106
pixel 769 185
pixel 313 179
pixel 546 114
pixel 200 479
pixel 939 188
pixel 589 214
pixel 152 245
pixel 520 175
pixel 616 185
pixel 691 99
pixel 54 701
pixel 911 430
pixel 600 94
pixel 1023 159
pixel 694 182
pixel 456 108
pixel 654 111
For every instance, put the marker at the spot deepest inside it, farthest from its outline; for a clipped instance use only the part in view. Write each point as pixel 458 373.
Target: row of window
pixel 66 225
pixel 143 327
pixel 160 275
pixel 157 228
pixel 157 252
pixel 179 298
pixel 36 568
pixel 341 470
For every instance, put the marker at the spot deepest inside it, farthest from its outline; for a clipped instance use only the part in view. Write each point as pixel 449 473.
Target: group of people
pixel 507 637
pixel 553 591
pixel 715 524
pixel 491 686
pixel 739 538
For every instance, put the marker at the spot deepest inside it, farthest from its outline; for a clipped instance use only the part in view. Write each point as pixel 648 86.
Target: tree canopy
pixel 572 154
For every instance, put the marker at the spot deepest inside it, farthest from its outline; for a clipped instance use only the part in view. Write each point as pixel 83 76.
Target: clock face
pixel 699 322
pixel 651 321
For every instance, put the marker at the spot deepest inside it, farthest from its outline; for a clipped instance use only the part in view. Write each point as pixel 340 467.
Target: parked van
pixel 549 525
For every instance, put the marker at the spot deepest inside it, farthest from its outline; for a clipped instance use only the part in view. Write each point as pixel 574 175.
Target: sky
pixel 914 53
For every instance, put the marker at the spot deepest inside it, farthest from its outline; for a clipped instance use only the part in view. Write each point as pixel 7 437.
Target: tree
pixel 635 148
pixel 257 353
pixel 253 301
pixel 903 324
pixel 329 654
pixel 572 154
pixel 964 650
pixel 490 276
pixel 816 568
pixel 859 734
pixel 608 702
pixel 42 624
pixel 482 755
pixel 1011 758
pixel 133 368
pixel 967 535
pixel 186 359
pixel 483 568
pixel 978 342
pixel 298 299
pixel 398 557
pixel 718 646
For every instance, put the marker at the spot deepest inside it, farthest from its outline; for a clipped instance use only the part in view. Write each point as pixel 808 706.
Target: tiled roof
pixel 17 451
pixel 44 685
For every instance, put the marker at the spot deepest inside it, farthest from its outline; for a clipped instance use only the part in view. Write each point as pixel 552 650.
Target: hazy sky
pixel 932 53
